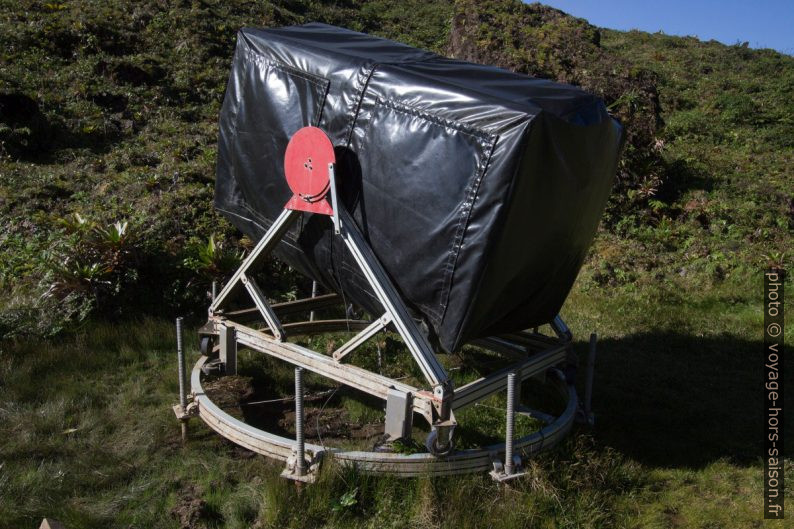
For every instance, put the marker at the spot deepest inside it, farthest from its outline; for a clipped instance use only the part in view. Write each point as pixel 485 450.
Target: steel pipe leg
pixel 180 355
pixel 181 412
pixel 512 465
pixel 300 464
pixel 511 417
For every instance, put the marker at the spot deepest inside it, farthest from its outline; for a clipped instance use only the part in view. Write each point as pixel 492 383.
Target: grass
pixel 90 439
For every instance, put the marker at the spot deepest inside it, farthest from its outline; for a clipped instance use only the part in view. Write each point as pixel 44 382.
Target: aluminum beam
pixel 374 328
pixel 352 376
pixel 280 226
pixel 495 382
pixel 264 308
pixel 416 342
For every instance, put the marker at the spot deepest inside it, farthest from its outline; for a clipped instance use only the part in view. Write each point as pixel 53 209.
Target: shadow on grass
pixel 676 400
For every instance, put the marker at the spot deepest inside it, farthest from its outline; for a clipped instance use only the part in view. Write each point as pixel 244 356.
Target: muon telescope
pixel 453 203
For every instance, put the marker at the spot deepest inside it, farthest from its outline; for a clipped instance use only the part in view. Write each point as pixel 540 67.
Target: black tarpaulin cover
pixel 478 189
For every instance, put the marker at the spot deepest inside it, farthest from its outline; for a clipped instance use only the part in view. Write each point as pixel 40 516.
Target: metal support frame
pixel 271 238
pixel 334 201
pixel 400 465
pixel 285 308
pixel 416 342
pixel 495 382
pixel 353 376
pixel 395 309
pixel 535 354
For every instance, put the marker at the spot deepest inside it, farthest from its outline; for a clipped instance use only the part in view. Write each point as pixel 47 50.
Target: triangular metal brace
pixel 396 313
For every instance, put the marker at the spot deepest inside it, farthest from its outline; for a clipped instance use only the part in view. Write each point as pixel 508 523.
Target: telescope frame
pixel 535 354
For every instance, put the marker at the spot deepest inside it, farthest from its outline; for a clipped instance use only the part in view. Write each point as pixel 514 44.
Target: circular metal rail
pixel 406 465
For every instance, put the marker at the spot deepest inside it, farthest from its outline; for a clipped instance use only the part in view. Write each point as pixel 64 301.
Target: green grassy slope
pixel 90 439
pixel 109 110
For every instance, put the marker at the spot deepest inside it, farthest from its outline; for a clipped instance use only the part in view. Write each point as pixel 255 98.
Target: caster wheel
pixel 434 447
pixel 205 345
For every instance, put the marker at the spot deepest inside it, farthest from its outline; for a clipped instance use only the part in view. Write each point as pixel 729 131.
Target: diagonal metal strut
pixel 269 241
pixel 381 284
pixel 374 328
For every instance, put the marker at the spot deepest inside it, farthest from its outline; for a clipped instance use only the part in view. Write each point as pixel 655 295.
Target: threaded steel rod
pixel 511 402
pixel 180 355
pixel 300 466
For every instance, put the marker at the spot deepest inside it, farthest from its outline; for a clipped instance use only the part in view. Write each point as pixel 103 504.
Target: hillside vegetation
pixel 108 114
pixel 108 129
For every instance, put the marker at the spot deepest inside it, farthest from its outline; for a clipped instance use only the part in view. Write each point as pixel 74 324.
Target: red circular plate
pixel 306 163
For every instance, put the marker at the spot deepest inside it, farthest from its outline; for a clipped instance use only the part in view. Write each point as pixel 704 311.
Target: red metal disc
pixel 306 167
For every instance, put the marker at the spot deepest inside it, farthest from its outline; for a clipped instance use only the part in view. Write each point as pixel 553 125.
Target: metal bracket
pixel 399 414
pixel 309 475
pixel 227 337
pixel 183 414
pixel 500 475
pixel 561 329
